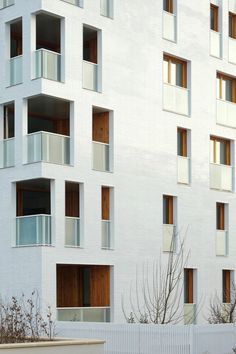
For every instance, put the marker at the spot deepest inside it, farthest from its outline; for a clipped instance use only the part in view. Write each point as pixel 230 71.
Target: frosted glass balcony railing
pixel 226 113
pixel 84 314
pixel 33 230
pixel 221 243
pixel 189 314
pixel 106 8
pixel 74 2
pixel 183 169
pixel 168 238
pixel 7 153
pixel 15 70
pixel 48 147
pixel 47 65
pixel 106 234
pixel 101 156
pixel 6 3
pixel 232 50
pixel 169 26
pixel 215 44
pixel 221 177
pixel 176 99
pixel 72 232
pixel 90 75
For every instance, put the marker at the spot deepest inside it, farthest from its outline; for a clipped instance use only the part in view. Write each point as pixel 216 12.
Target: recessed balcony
pixel 48 137
pixel 33 219
pixel 183 165
pixel 221 177
pixel 169 26
pixel 6 3
pixel 47 57
pixel 176 99
pixel 189 314
pixel 215 44
pixel 221 242
pixel 168 238
pixel 226 113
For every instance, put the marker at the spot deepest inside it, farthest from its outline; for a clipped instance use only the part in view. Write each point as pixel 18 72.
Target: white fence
pixel 154 339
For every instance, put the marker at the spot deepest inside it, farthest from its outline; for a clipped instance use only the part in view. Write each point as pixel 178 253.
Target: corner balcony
pixel 47 65
pixel 232 50
pixel 189 314
pixel 226 113
pixel 169 26
pixel 84 314
pixel 33 230
pixel 15 75
pixel 90 75
pixel 7 153
pixel 183 172
pixel 221 177
pixel 168 238
pixel 176 99
pixel 215 44
pixel 6 3
pixel 221 242
pixel 106 234
pixel 72 232
pixel 48 147
pixel 101 156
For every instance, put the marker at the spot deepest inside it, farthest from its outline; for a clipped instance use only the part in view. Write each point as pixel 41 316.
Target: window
pixel 220 151
pixel 226 286
pixel 182 148
pixel 168 209
pixel 8 121
pixel 214 10
pixel 220 216
pixel 188 286
pixel 232 25
pixel 16 45
pixel 107 241
pixel 90 45
pixel 226 88
pixel 168 6
pixel 72 213
pixel 175 71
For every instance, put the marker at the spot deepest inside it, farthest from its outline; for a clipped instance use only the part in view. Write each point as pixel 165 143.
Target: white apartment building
pixel 117 131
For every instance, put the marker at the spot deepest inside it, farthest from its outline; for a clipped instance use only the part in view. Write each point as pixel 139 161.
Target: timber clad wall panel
pixel 101 127
pixel 91 50
pixel 62 126
pixel 72 200
pixel 105 203
pixel 188 286
pixel 226 288
pixel 100 279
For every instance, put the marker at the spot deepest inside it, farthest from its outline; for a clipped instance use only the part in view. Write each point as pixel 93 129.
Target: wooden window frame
pixel 221 77
pixel 220 216
pixel 175 60
pixel 169 6
pixel 226 286
pixel 188 285
pixel 215 10
pixel 227 150
pixel 232 25
pixel 184 141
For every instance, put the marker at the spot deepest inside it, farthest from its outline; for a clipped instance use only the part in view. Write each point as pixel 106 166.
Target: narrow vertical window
pixel 232 25
pixel 90 45
pixel 182 148
pixel 168 210
pixel 101 140
pixel 107 241
pixel 220 216
pixel 72 211
pixel 175 71
pixel 226 286
pixel 220 151
pixel 188 286
pixel 214 12
pixel 168 6
pixel 16 38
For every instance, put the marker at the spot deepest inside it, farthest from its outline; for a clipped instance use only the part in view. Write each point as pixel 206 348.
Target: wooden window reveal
pixel 226 286
pixel 182 142
pixel 168 6
pixel 214 11
pixel 168 210
pixel 175 71
pixel 101 127
pixel 105 203
pixel 188 286
pixel 220 216
pixel 232 25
